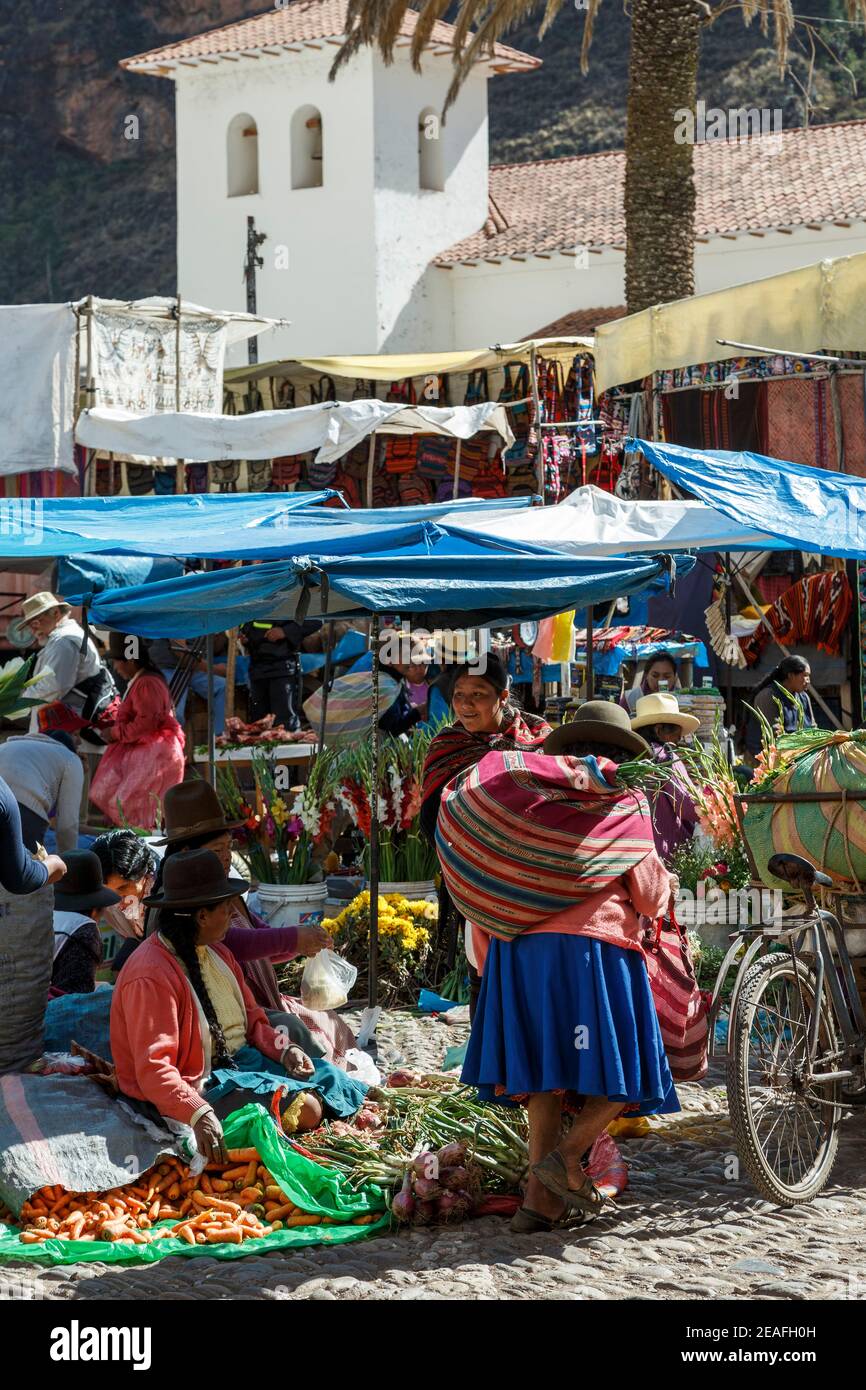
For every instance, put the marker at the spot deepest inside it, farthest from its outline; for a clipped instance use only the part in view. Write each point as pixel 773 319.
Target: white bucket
pixel 292 904
pixel 415 892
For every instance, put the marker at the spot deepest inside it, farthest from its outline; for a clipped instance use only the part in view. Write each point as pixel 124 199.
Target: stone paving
pixel 684 1229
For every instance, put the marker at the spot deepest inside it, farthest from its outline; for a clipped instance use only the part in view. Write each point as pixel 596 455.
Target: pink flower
pixel 294 827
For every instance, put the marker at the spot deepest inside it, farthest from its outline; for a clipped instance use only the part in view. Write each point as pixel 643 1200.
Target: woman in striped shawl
pixel 558 861
pixel 486 720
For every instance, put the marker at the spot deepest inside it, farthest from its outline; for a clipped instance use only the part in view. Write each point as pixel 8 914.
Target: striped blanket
pixel 523 836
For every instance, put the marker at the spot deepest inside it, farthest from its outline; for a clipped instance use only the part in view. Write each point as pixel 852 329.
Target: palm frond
pixel 588 31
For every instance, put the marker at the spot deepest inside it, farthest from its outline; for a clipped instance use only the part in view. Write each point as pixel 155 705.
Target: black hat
pixel 597 721
pixel 81 888
pixel 195 879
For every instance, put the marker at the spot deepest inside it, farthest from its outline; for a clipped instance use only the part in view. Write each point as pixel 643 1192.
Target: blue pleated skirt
pixel 568 1013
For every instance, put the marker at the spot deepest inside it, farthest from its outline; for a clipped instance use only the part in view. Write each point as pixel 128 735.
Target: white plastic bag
pixel 326 981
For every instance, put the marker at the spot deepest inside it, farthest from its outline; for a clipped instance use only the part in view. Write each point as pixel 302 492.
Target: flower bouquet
pixel 405 944
pixel 285 829
pixel 405 855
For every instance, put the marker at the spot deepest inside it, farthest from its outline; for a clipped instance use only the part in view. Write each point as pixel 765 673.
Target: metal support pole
pixel 539 465
pixel 326 682
pixel 179 469
pixel 373 986
pixel 211 744
pixel 729 606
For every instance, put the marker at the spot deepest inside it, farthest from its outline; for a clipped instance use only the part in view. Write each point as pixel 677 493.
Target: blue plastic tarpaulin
pixel 79 577
pixel 459 581
pixel 806 508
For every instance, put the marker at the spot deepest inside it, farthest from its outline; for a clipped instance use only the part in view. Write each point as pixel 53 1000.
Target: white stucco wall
pixel 358 247
pixel 485 303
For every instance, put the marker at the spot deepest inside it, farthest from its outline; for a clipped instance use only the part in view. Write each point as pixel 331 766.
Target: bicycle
pixel 796 1036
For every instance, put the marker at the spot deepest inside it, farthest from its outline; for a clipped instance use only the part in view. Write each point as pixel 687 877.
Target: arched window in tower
pixel 307 160
pixel 430 164
pixel 242 156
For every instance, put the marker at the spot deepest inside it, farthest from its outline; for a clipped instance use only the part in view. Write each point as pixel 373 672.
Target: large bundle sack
pixel 26 960
pixel 831 834
pixel 522 836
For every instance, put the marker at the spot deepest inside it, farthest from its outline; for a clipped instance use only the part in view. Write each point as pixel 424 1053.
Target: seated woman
pixel 660 673
pixel 144 756
pixel 194 819
pixel 189 1041
pixel 79 898
pixel 565 1011
pixel 664 725
pixel 129 867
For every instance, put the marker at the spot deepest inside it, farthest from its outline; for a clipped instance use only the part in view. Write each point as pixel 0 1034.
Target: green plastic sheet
pixel 314 1188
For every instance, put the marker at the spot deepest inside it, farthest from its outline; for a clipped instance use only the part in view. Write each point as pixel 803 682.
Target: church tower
pixel 356 183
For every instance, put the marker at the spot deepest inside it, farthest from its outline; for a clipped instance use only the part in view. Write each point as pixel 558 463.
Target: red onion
pixel 453 1206
pixel 425 1213
pixel 426 1189
pixel 426 1165
pixel 451 1154
pixel 403 1078
pixel 403 1205
pixel 455 1178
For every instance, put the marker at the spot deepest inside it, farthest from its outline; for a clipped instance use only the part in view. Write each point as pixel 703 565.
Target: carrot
pixel 185 1206
pixel 274 1192
pixel 230 1235
pixel 75 1225
pixel 251 1173
pixel 153 1210
pixel 200 1239
pixel 219 1185
pixel 167 1213
pixel 279 1210
pixel 184 1233
pixel 368 1218
pixel 201 1199
pixel 303 1218
pixel 276 1225
pixel 249 1194
pixel 243 1155
pixel 33 1237
pixel 173 1192
pixel 204 1183
pixel 231 1174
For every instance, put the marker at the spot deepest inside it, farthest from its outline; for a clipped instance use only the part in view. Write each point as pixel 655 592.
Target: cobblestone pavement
pixel 682 1230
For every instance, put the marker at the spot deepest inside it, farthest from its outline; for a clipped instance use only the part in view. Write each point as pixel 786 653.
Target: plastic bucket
pixel 292 904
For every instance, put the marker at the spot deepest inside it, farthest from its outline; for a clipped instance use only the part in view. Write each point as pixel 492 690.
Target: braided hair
pixel 180 928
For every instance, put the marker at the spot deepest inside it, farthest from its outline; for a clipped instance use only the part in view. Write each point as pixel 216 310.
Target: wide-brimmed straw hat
pixel 36 604
pixel 597 721
pixel 193 808
pixel 81 888
pixel 662 709
pixel 196 879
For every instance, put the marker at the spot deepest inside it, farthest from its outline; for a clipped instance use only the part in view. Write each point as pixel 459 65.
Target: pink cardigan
pixel 155 1033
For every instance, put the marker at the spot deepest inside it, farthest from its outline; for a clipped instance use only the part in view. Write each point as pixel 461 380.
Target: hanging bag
pixel 680 1005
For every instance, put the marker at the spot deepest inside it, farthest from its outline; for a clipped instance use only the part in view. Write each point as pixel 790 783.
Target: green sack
pixel 830 834
pixel 310 1185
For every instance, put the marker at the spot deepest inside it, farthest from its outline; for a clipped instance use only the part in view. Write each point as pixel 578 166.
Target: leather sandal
pixel 553 1173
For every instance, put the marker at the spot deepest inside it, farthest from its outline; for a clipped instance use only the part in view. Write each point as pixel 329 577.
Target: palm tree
pixel 663 65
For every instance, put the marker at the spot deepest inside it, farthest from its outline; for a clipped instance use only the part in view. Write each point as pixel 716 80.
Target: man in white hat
pixel 69 665
pixel 659 719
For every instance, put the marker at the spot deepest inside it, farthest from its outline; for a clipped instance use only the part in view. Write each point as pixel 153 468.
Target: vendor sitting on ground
pixel 129 866
pixel 189 1042
pixel 664 725
pixel 79 898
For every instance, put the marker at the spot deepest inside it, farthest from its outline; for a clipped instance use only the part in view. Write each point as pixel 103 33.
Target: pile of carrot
pixel 229 1202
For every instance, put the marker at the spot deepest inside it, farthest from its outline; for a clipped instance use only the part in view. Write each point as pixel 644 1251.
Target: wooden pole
pixel 90 399
pixel 371 455
pixel 729 613
pixel 231 666
pixel 457 469
pixel 590 655
pixel 326 682
pixel 179 469
pixel 373 984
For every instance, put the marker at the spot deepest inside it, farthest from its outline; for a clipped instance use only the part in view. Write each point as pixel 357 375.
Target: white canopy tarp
pixel 593 522
pixel 329 428
pixel 158 308
pixel 37 361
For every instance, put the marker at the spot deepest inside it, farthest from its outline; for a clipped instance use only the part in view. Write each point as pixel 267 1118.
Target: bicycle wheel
pixel 786 1126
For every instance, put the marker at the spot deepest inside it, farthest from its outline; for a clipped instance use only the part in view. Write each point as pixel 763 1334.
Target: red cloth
pixel 156 1040
pixel 144 758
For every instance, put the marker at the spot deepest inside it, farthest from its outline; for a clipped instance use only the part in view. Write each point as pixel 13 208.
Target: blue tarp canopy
pixel 806 508
pixel 219 526
pixel 460 582
pixel 79 577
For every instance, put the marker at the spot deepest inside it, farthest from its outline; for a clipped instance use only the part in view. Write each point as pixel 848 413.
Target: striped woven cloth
pixel 523 836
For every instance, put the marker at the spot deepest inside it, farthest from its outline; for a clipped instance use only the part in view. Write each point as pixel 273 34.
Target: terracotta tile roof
pixel 801 176
pixel 580 323
pixel 301 22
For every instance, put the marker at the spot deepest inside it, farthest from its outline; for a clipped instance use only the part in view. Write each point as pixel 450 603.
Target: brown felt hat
pixel 193 808
pixel 196 879
pixel 81 888
pixel 597 721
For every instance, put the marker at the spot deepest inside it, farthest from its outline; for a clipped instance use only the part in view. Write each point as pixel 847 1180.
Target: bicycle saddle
pixel 797 871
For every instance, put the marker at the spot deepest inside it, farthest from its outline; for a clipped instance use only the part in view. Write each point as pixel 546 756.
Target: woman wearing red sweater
pixel 187 1037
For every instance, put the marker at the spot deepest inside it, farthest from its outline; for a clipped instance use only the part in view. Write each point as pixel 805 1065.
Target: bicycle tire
pixel 766 971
